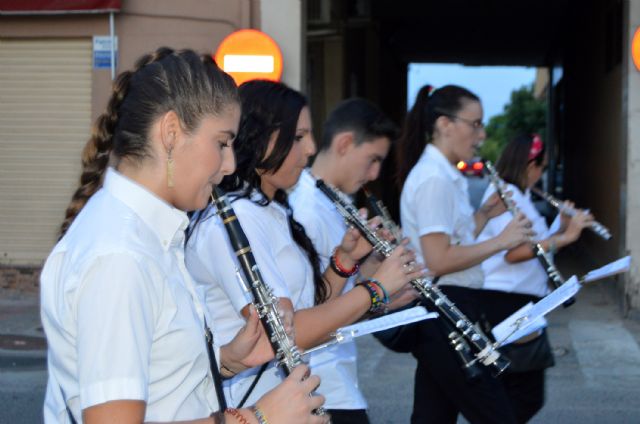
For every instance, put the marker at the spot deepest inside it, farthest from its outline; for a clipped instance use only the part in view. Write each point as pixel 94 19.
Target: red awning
pixel 57 7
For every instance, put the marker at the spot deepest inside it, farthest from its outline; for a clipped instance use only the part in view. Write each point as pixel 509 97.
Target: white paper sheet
pixel 417 313
pixel 408 316
pixel 616 267
pixel 530 317
pixel 517 325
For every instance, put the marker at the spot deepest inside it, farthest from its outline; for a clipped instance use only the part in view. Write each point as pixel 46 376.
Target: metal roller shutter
pixel 45 118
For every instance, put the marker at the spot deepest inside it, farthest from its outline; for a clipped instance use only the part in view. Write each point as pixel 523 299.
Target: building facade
pixel 55 79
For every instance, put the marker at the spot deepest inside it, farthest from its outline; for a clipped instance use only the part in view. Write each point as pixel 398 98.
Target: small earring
pixel 170 169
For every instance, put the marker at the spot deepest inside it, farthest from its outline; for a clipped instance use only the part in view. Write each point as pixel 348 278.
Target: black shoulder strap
pixel 263 367
pixel 217 378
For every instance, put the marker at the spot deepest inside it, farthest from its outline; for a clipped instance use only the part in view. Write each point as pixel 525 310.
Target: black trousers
pixel 524 389
pixel 442 390
pixel 348 416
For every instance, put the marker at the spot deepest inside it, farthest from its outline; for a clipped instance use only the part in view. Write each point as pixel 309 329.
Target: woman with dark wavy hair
pixel 273 146
pixel 126 328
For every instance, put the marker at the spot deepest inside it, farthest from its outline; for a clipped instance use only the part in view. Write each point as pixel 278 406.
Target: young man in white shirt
pixel 356 139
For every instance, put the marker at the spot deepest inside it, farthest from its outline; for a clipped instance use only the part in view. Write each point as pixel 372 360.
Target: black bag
pixel 533 355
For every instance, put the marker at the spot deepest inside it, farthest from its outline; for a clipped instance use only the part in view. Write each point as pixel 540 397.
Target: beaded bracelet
pixel 262 419
pixel 375 282
pixel 237 415
pixel 377 304
pixel 339 269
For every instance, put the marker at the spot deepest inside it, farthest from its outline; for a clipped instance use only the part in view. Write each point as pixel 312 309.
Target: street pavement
pixel 596 378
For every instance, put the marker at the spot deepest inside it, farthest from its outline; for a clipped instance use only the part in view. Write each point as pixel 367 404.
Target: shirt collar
pixel 431 152
pixel 165 221
pixel 308 179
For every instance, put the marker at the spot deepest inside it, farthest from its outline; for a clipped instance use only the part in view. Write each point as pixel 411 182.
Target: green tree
pixel 523 114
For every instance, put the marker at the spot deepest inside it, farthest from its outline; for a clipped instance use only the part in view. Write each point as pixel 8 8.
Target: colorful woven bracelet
pixel 382 289
pixel 377 305
pixel 339 269
pixel 262 419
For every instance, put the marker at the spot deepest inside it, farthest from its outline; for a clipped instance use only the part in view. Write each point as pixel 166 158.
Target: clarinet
pixel 595 226
pixel 379 209
pixel 555 277
pixel 485 351
pixel 459 344
pixel 266 304
pixel 286 352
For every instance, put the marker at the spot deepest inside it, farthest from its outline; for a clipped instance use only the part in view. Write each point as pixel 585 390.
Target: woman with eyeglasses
pixel 443 128
pixel 514 278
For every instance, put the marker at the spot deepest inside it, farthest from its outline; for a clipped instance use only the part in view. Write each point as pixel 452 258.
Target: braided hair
pixel 166 80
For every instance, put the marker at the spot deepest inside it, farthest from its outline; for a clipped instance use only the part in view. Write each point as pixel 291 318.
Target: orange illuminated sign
pixel 250 54
pixel 635 49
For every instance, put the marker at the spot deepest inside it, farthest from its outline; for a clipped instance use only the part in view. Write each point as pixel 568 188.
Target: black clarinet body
pixel 464 333
pixel 454 338
pixel 286 352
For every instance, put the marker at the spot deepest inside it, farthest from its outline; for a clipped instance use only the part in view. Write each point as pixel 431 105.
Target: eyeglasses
pixel 477 125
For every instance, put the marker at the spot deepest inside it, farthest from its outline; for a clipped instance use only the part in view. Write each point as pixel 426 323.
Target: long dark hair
pixel 419 123
pixel 166 80
pixel 267 107
pixel 514 159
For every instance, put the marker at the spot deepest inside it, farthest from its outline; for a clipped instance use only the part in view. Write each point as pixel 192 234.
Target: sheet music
pixel 344 334
pixel 417 313
pixel 616 267
pixel 517 325
pixel 556 297
pixel 530 317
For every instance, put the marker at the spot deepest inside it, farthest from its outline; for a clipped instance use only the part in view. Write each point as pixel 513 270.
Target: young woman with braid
pixel 514 278
pixel 442 128
pixel 272 148
pixel 123 318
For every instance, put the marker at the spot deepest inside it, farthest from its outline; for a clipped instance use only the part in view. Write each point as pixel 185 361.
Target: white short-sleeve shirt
pixel 336 366
pixel 282 263
pixel 435 199
pixel 119 308
pixel 527 277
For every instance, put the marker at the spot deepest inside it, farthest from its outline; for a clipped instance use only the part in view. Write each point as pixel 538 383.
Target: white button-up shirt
pixel 120 311
pixel 435 199
pixel 283 265
pixel 336 366
pixel 527 277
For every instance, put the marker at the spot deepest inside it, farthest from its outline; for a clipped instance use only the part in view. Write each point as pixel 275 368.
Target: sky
pixel 493 84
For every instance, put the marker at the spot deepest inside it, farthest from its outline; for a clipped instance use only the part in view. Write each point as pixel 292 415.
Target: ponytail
pixel 184 82
pixel 414 137
pixel 95 156
pixel 419 126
